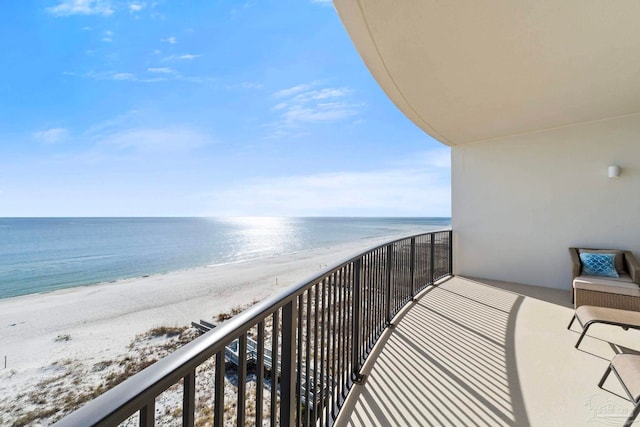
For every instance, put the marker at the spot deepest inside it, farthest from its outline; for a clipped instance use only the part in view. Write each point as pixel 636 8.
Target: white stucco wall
pixel 518 203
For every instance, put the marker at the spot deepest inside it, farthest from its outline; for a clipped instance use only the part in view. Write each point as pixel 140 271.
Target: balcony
pixel 388 337
pixel 473 352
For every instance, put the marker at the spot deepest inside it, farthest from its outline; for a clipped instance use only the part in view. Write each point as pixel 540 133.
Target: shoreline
pixel 373 240
pixel 93 323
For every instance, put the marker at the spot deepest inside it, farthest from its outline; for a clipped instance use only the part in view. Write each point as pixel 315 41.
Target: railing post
pixel 288 369
pixel 242 379
pixel 432 260
pixel 218 406
pixel 412 267
pixel 450 252
pixel 357 333
pixel 147 414
pixel 189 399
pixel 260 374
pixel 389 271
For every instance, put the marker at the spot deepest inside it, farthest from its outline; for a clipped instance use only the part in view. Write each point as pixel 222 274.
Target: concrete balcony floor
pixel 481 353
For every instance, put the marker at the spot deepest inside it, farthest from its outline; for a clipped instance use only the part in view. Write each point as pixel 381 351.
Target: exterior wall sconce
pixel 614 171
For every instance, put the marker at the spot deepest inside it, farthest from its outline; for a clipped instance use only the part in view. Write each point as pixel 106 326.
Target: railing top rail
pixel 117 404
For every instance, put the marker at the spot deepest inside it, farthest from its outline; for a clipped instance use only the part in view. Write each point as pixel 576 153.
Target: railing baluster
pixel 384 256
pixel 420 263
pixel 357 327
pixel 274 367
pixel 366 307
pixel 346 330
pixel 380 294
pixel 307 365
pixel 330 344
pixel 242 379
pixel 378 302
pixel 340 336
pixel 260 374
pixel 375 303
pixel 311 407
pixel 336 344
pixel 287 373
pixel 189 399
pixel 389 271
pixel 396 278
pixel 218 407
pixel 148 414
pixel 432 263
pixel 300 362
pixel 450 233
pixel 349 328
pixel 343 331
pixel 323 351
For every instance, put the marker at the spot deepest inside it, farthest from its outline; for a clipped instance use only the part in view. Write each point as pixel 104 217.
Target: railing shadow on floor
pixel 450 361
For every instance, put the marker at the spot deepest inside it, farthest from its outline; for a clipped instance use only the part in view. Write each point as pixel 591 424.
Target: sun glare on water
pixel 264 235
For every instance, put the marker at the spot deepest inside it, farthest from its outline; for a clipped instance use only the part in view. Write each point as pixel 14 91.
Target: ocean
pixel 45 254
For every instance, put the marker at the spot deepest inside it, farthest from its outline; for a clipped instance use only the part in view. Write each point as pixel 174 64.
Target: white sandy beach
pixel 102 320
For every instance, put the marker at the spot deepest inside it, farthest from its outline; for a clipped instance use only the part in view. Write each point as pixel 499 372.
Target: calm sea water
pixel 44 254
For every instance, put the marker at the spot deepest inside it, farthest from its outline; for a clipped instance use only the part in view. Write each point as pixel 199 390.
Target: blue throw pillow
pixel 598 264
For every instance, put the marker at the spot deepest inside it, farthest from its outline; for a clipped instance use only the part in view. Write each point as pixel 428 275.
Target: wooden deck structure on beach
pixel 232 355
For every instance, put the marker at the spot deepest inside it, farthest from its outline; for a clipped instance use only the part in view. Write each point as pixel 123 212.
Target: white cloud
pixel 124 141
pixel 305 104
pixel 116 76
pixel 51 136
pixel 158 74
pixel 82 7
pixel 148 140
pixel 170 40
pixel 107 36
pixel 161 70
pixel 136 6
pixel 185 57
pixel 292 90
pixel 417 190
pixel 123 76
pixel 126 120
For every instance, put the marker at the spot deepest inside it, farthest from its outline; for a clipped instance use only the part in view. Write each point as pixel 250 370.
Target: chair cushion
pixel 622 285
pixel 598 264
pixel 628 367
pixel 619 259
pixel 588 313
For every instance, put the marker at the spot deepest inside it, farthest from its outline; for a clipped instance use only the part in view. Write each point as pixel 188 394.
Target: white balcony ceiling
pixel 467 71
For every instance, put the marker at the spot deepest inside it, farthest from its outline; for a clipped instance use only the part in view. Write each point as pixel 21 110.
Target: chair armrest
pixel 576 266
pixel 633 266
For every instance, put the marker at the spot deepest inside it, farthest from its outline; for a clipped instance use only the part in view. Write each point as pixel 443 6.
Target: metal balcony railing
pixel 317 334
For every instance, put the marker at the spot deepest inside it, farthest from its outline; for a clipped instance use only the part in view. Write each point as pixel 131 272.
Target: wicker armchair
pixel 622 292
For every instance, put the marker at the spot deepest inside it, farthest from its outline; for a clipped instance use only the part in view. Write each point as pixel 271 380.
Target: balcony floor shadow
pixel 473 353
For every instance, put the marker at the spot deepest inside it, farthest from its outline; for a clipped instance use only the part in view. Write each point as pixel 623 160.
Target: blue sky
pixel 201 108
